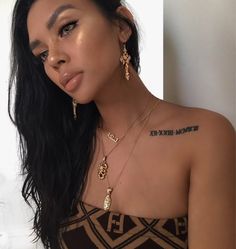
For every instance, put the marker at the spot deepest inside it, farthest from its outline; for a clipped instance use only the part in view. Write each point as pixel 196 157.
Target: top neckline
pixel 90 207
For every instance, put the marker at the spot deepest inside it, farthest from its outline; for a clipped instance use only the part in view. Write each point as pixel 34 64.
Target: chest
pixel 150 181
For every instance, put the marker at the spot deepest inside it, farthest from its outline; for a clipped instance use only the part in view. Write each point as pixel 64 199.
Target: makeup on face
pixel 63 24
pixel 75 40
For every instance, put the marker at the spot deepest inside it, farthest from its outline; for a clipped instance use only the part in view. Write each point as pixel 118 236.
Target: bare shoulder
pixel 211 208
pixel 200 129
pixel 215 134
pixel 210 123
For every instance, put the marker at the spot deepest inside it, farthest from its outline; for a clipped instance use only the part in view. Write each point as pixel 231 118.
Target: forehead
pixel 51 5
pixel 41 11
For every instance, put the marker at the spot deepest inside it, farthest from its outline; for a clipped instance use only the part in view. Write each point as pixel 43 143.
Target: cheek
pixel 107 55
pixel 98 50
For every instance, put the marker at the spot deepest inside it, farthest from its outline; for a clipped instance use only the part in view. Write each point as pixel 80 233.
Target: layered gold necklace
pixel 103 166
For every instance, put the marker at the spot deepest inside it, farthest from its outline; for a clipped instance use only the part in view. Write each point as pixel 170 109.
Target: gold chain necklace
pixel 116 139
pixel 103 165
pixel 108 200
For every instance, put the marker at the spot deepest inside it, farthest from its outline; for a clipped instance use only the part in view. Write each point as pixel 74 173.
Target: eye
pixel 66 29
pixel 43 56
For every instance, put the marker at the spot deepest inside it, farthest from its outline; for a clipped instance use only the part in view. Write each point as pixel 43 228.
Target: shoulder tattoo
pixel 176 132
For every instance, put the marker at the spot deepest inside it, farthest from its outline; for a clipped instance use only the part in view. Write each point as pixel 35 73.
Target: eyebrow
pixel 34 44
pixel 52 20
pixel 57 12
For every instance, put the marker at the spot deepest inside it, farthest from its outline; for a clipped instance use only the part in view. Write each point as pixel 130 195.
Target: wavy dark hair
pixel 55 150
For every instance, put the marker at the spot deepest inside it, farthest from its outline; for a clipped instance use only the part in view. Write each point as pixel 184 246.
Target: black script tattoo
pixel 177 132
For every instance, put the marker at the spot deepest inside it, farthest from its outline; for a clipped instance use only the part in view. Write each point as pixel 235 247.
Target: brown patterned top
pixel 93 227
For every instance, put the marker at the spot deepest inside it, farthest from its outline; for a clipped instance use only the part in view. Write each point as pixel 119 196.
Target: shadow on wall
pixel 199 55
pixel 171 76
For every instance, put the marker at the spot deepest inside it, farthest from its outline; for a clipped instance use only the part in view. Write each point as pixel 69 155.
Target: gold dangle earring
pixel 74 105
pixel 125 59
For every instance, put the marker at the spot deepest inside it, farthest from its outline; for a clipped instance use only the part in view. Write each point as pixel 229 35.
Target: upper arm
pixel 212 187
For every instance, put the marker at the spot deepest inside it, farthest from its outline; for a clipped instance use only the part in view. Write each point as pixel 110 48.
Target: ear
pixel 124 29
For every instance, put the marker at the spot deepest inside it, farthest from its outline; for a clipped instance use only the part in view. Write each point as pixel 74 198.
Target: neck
pixel 122 101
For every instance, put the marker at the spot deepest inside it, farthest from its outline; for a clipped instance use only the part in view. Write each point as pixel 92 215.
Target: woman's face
pixel 79 47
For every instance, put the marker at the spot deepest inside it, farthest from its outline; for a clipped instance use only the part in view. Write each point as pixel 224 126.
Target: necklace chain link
pixel 108 200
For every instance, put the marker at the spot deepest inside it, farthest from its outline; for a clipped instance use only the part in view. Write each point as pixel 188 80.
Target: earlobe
pixel 124 29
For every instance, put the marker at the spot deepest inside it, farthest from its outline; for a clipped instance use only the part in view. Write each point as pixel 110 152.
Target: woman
pixel 107 164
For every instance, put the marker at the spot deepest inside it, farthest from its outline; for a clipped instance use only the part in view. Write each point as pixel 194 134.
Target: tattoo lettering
pixel 155 133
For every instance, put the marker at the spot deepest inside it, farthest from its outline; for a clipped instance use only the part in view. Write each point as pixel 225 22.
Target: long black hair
pixel 55 150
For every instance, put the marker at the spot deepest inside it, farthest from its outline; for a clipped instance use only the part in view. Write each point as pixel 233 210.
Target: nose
pixel 57 57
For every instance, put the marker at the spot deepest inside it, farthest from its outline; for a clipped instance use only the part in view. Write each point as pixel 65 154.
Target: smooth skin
pixel 168 176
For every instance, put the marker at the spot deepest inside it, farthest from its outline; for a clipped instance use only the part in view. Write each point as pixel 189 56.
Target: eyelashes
pixel 64 31
pixel 42 56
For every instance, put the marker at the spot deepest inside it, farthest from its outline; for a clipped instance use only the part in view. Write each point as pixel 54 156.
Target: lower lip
pixel 73 83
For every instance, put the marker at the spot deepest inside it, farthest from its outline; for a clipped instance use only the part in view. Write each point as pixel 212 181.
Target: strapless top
pixel 91 227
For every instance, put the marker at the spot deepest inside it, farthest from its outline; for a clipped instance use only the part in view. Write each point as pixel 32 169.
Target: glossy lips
pixel 71 81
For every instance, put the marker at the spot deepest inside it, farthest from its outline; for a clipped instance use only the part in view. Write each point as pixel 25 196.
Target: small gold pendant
pixel 113 137
pixel 107 200
pixel 102 169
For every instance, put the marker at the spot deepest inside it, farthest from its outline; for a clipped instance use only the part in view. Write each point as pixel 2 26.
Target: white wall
pixel 200 54
pixel 14 215
pixel 149 15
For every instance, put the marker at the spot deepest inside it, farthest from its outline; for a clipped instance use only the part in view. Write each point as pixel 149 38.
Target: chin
pixel 85 95
pixel 83 99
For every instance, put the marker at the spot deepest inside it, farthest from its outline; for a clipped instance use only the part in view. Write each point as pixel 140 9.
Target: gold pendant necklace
pixel 102 169
pixel 103 166
pixel 113 138
pixel 108 199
